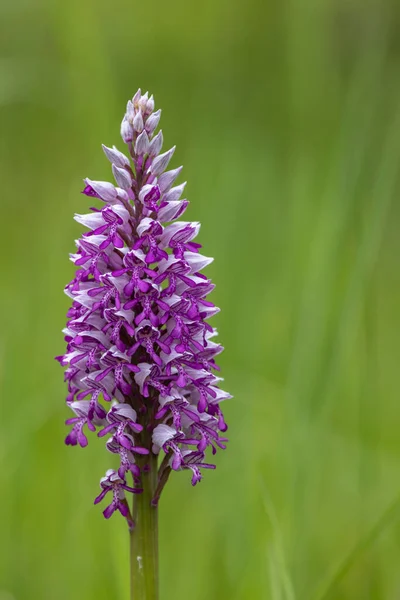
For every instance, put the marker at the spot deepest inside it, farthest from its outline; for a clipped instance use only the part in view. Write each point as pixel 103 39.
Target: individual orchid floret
pixel 153 121
pixel 112 482
pixel 140 354
pixel 116 157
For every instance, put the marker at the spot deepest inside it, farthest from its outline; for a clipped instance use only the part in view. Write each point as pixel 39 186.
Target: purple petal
pixel 139 450
pixel 109 511
pixel 100 497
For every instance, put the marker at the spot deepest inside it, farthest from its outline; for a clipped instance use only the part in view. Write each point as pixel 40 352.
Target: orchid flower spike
pixel 140 357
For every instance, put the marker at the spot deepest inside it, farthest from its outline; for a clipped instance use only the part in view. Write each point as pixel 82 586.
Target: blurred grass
pixel 287 121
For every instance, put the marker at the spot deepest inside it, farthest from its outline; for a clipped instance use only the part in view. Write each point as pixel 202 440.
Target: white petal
pixel 174 193
pixel 92 221
pixel 121 212
pixel 80 407
pixel 162 433
pixel 153 121
pixel 144 225
pixel 166 180
pixel 105 190
pixel 141 377
pixel 126 411
pixel 122 177
pixel 197 261
pixel 172 229
pixel 171 210
pixel 160 163
pixel 175 228
pixel 115 156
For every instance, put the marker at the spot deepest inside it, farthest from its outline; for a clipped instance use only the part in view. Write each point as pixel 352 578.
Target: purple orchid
pixel 137 333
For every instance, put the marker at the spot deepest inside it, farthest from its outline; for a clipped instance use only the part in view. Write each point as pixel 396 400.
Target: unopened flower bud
pixel 166 180
pixel 142 144
pixel 152 121
pixel 116 157
pixel 126 131
pixel 138 122
pixel 104 189
pixel 143 102
pixel 136 98
pixel 156 144
pixel 130 111
pixel 122 177
pixel 175 193
pixel 160 163
pixel 150 105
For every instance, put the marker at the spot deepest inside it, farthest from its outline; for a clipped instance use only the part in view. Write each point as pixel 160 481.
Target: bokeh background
pixel 286 116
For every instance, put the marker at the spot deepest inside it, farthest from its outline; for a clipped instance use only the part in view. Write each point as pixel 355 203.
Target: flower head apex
pixel 140 356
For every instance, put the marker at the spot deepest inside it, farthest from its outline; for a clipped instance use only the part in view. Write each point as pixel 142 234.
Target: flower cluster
pixel 137 334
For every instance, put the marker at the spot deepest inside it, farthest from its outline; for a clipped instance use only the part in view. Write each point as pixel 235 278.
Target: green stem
pixel 144 538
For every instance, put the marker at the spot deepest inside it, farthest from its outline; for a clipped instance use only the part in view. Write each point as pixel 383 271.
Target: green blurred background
pixel 286 116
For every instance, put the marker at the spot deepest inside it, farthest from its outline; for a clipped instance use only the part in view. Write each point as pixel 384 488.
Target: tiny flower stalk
pixel 140 357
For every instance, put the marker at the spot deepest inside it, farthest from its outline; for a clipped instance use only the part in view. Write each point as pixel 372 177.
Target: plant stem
pixel 144 538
